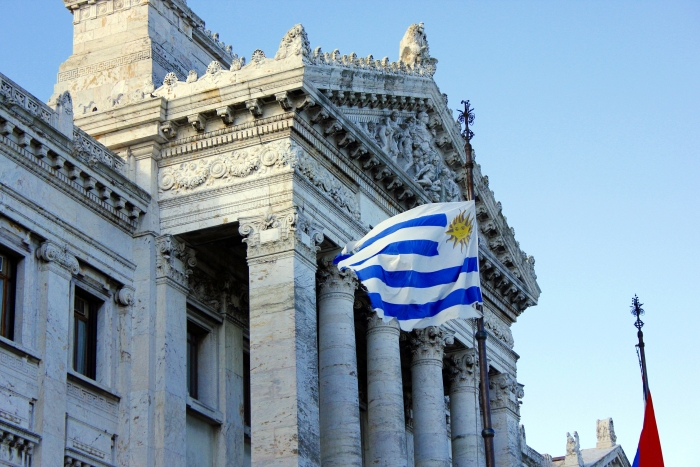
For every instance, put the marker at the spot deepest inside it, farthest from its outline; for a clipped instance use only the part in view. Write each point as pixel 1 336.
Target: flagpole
pixel 488 433
pixel 637 310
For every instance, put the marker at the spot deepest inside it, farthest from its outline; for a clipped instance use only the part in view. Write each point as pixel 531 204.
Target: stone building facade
pixel 166 229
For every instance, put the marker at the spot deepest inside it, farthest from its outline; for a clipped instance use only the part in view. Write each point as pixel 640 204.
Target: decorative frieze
pixel 174 260
pixel 84 397
pixel 498 329
pixel 53 253
pixel 281 232
pixel 16 446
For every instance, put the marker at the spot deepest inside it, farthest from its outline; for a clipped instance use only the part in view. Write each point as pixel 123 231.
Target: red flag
pixel 649 449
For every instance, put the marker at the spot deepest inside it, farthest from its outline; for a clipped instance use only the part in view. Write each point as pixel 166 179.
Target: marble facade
pixel 196 196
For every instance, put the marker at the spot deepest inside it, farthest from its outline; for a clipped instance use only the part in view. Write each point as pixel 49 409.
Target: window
pixel 7 296
pixel 194 334
pixel 85 309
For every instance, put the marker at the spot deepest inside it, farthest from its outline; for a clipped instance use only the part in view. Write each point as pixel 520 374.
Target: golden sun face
pixel 460 230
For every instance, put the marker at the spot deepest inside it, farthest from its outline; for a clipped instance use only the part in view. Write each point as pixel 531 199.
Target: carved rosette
pixel 53 253
pixel 174 260
pixel 125 296
pixel 465 369
pixel 280 232
pixel 332 281
pixel 506 392
pixel 428 345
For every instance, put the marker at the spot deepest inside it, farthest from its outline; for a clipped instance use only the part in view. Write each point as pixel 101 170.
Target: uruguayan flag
pixel 422 266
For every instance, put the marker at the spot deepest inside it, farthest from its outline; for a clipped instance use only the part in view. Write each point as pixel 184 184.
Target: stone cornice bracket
pixel 225 114
pixel 174 260
pixel 53 253
pixel 255 107
pixel 125 296
pixel 169 130
pixel 464 368
pixel 428 345
pixel 197 121
pixel 280 232
pixel 284 101
pixel 308 102
pixel 331 280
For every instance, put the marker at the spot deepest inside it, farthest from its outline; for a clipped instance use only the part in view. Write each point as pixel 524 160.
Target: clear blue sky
pixel 588 125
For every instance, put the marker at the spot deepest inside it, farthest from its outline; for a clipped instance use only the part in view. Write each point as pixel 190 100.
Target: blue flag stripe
pixel 435 220
pixel 426 310
pixel 407 247
pixel 418 279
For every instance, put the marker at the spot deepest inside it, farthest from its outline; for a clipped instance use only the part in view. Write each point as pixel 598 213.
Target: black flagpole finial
pixel 466 117
pixel 637 310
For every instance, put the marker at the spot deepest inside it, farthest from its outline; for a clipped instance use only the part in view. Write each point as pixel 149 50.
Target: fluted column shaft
pixel 338 387
pixel 464 409
pixel 385 406
pixel 429 424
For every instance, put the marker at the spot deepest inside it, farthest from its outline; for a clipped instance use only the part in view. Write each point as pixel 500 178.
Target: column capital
pixel 429 344
pixel 279 232
pixel 375 323
pixel 331 280
pixel 464 371
pixel 506 392
pixel 50 252
pixel 174 260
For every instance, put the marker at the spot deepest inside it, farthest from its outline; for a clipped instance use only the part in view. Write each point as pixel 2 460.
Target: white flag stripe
pixel 418 263
pixel 418 295
pixel 410 233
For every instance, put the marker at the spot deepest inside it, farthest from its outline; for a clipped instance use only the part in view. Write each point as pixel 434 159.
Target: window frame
pixel 8 307
pixel 94 306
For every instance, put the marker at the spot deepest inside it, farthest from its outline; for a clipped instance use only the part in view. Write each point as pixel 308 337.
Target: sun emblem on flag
pixel 460 230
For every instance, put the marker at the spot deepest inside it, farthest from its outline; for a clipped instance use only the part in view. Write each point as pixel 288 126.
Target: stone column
pixel 56 268
pixel 173 266
pixel 505 413
pixel 385 402
pixel 339 403
pixel 283 346
pixel 429 424
pixel 464 409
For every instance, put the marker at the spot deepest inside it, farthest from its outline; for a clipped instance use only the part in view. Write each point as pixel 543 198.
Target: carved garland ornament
pixel 258 161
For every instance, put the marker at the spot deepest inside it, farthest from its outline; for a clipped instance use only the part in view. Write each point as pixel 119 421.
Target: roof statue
pixel 413 49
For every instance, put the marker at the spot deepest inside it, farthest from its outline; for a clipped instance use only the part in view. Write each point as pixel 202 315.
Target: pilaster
pixel 283 338
pixel 429 424
pixel 505 394
pixel 464 408
pixel 56 268
pixel 173 266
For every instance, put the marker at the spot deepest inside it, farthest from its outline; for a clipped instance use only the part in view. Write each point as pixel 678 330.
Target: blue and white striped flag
pixel 421 266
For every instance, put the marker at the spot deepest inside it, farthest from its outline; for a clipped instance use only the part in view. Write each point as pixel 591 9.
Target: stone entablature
pixel 48 144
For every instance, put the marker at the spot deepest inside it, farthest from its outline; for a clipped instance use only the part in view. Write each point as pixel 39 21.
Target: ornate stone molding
pixel 53 253
pixel 498 329
pixel 464 369
pixel 174 260
pixel 279 232
pixel 506 392
pixel 330 280
pixel 429 344
pixel 125 296
pixel 377 324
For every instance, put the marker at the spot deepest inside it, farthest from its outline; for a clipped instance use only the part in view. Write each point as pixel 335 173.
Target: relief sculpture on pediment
pixel 412 144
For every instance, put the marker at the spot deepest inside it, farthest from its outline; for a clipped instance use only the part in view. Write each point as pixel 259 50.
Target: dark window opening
pixel 195 336
pixel 85 309
pixel 7 296
pixel 246 388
